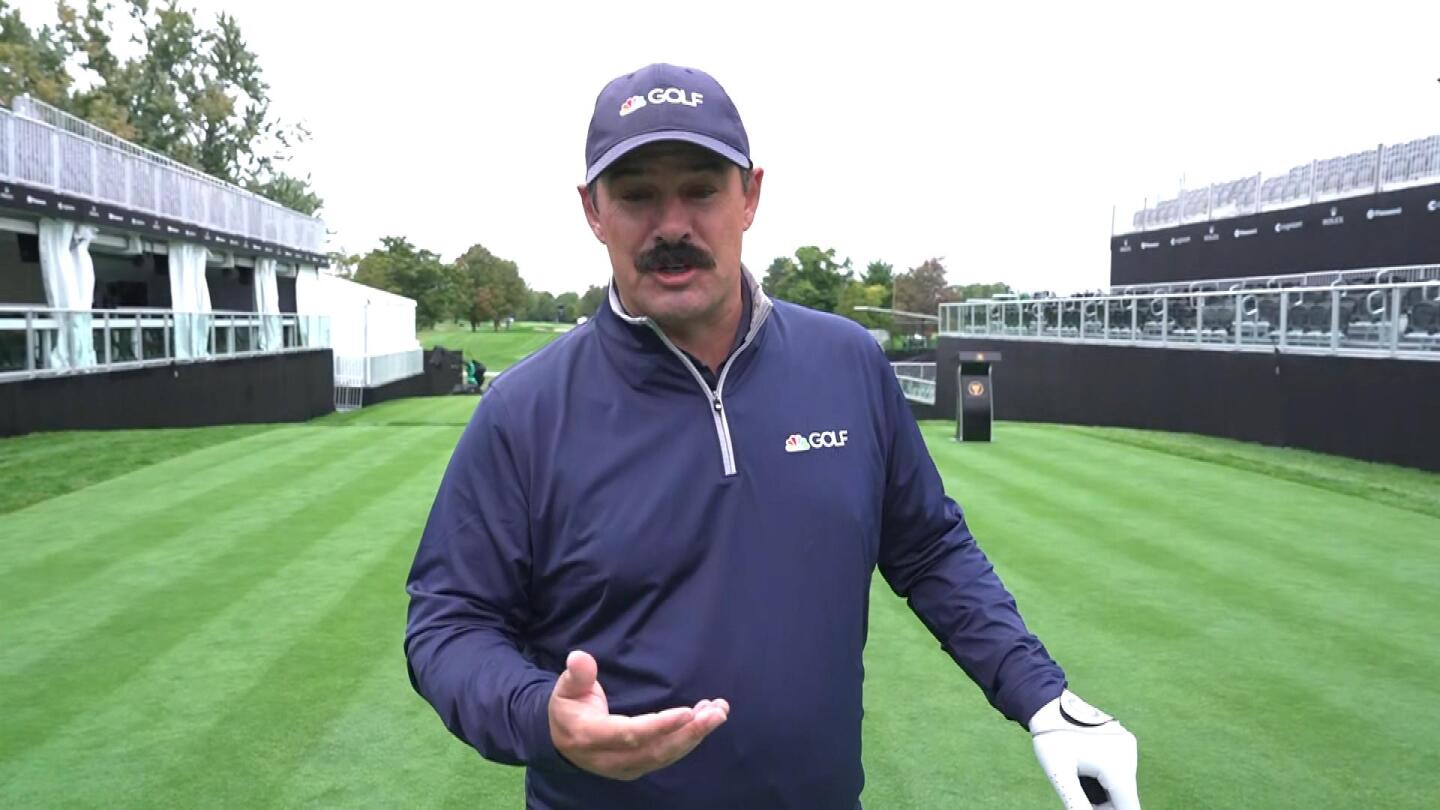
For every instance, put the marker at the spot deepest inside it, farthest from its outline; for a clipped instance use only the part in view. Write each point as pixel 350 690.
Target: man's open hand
pixel 615 746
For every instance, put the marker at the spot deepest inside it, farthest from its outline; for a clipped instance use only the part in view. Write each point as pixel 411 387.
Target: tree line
pixel 815 278
pixel 479 287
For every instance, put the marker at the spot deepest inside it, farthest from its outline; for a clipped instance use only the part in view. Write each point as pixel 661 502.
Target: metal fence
pixel 1367 172
pixel 46 148
pixel 31 337
pixel 1388 320
pixel 917 380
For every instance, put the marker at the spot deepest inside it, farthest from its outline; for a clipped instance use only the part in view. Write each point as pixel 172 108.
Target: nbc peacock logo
pixel 631 104
pixel 796 444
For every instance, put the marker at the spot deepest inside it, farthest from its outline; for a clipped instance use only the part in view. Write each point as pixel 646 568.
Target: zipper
pixel 717 403
pixel 761 310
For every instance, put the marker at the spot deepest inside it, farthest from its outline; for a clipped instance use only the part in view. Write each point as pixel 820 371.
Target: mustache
pixel 684 254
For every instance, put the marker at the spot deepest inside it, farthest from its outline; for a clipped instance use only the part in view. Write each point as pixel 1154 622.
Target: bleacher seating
pixel 1396 166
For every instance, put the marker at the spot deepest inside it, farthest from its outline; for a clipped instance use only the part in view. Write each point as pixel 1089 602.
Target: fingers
pixel 621 747
pixel 579 676
pixel 655 731
pixel 617 732
pixel 1067 785
pixel 709 715
pixel 1124 795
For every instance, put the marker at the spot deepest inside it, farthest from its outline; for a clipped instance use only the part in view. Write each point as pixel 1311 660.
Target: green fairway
pixel 220 625
pixel 497 350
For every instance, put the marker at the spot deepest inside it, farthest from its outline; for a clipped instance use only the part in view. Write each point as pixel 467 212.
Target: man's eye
pixel 702 192
pixel 635 195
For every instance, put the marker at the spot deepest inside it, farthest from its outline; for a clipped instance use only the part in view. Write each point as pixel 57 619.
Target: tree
pixel 869 295
pixel 342 264
pixel 566 305
pixel 592 300
pixel 812 279
pixel 404 269
pixel 486 287
pixel 878 273
pixel 921 289
pixel 194 94
pixel 291 192
pixel 31 62
pixel 541 308
pixel 975 292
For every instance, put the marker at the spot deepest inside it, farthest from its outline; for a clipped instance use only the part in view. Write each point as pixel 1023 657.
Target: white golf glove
pixel 1077 743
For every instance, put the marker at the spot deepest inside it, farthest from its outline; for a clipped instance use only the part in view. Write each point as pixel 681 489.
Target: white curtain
pixel 267 305
pixel 85 276
pixel 190 299
pixel 69 277
pixel 310 307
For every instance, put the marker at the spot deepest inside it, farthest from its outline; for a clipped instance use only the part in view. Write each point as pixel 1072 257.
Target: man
pixel 646 574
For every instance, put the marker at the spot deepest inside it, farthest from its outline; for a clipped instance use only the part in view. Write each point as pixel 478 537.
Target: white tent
pixel 372 332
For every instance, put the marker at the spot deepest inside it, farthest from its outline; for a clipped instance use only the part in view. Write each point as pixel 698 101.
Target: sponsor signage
pixel 16 197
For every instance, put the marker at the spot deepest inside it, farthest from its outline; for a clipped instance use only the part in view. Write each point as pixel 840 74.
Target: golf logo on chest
pixel 803 442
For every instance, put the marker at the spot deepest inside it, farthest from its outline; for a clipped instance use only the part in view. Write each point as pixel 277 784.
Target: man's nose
pixel 674 221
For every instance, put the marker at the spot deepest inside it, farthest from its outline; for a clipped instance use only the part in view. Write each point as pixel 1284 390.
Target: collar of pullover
pixel 637 347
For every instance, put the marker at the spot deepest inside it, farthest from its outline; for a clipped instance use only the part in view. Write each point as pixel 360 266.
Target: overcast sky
pixel 995 135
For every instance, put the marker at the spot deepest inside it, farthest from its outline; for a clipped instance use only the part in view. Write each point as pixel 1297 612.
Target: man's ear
pixel 592 210
pixel 752 196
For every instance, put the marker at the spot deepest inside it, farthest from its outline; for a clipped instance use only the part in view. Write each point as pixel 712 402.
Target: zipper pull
pixel 719 406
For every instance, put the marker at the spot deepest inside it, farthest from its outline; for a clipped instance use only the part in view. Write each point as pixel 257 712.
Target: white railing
pixel 43 341
pixel 1368 172
pixel 1368 320
pixel 46 148
pixel 917 380
pixel 377 370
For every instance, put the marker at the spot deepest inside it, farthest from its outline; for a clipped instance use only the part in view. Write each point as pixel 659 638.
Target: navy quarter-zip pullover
pixel 700 541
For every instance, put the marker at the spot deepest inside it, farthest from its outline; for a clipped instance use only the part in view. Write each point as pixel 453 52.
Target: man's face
pixel 672 216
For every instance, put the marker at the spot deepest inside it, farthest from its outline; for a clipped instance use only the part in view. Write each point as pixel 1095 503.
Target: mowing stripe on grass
pixel 74 519
pixel 1221 571
pixel 150 615
pixel 297 665
pixel 66 544
pixel 40 466
pixel 1314 532
pixel 1249 611
pixel 166 539
pixel 198 637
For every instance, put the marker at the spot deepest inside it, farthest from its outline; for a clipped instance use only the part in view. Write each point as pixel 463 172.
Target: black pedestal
pixel 975 406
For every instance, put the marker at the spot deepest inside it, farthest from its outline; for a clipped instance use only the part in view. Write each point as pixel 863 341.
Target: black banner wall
pixel 18 197
pixel 1376 230
pixel 287 387
pixel 1369 409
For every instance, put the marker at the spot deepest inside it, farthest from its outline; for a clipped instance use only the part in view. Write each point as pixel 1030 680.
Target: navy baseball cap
pixel 663 103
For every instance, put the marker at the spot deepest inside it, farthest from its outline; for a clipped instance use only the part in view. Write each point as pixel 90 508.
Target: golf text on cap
pixel 661 95
pixel 796 443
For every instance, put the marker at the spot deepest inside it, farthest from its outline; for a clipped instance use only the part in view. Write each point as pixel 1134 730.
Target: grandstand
pixel 119 266
pixel 1384 168
pixel 1239 311
pixel 1374 209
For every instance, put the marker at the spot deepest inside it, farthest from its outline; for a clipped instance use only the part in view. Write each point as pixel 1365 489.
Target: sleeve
pixel 469 600
pixel 928 556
